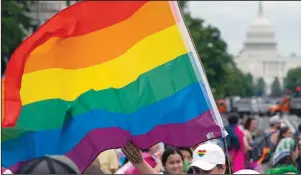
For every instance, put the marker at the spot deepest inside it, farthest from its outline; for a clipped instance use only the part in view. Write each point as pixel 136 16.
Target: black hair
pixel 233 120
pixel 281 134
pixel 186 149
pixel 299 127
pixel 287 160
pixel 248 123
pixel 170 151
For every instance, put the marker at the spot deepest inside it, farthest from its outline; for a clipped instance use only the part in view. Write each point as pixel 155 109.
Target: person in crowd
pixel 236 149
pixel 249 127
pixel 109 161
pixel 187 155
pixel 284 133
pixel 284 169
pixel 207 158
pixel 151 156
pixel 298 161
pixel 134 155
pixel 275 125
pixel 286 153
pixel 172 161
pixel 49 165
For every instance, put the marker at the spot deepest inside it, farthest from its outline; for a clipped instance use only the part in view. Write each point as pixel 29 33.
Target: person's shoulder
pixel 109 152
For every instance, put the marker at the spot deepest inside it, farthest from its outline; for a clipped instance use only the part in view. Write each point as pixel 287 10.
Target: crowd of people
pixel 245 150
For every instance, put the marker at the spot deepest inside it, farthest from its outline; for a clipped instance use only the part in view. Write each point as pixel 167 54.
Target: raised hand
pixel 133 153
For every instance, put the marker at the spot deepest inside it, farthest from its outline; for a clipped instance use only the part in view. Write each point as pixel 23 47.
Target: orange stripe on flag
pixel 105 44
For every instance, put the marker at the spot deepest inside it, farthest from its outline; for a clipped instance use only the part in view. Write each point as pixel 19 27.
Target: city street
pixel 291 121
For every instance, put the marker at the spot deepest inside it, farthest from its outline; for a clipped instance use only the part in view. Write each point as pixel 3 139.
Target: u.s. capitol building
pixel 260 56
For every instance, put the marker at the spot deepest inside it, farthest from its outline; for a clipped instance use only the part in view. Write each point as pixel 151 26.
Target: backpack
pixel 231 139
pixel 261 145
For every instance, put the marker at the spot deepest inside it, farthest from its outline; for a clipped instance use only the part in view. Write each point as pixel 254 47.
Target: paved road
pixel 263 122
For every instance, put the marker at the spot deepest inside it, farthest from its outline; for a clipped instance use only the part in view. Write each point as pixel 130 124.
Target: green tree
pixel 15 24
pixel 260 87
pixel 249 86
pixel 293 79
pixel 235 84
pixel 276 90
pixel 223 75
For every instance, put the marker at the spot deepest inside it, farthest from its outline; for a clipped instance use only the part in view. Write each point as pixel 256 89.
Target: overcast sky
pixel 234 17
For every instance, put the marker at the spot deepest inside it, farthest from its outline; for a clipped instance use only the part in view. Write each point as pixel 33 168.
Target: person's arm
pixel 135 157
pixel 246 142
pixel 158 166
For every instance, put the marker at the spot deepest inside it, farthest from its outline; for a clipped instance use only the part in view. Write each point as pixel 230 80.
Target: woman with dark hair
pixel 172 161
pixel 249 127
pixel 236 150
pixel 283 133
pixel 286 152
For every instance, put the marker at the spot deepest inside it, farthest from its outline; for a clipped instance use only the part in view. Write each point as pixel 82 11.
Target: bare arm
pixel 135 157
pixel 246 142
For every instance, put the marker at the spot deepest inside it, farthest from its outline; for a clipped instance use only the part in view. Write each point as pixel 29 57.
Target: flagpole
pixel 228 157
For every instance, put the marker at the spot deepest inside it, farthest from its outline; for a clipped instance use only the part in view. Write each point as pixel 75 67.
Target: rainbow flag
pixel 101 73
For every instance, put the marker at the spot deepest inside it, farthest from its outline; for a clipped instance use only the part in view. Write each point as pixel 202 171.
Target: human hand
pixel 133 153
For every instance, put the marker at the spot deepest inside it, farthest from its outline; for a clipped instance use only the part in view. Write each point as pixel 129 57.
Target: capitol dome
pixel 260 35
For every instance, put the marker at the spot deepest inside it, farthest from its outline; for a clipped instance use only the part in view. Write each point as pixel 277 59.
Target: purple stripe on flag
pixel 182 134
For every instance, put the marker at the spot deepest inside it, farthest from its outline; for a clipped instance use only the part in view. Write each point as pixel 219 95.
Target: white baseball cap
pixel 207 156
